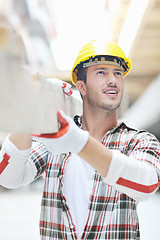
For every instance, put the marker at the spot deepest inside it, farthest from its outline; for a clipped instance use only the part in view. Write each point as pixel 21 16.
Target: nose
pixel 111 79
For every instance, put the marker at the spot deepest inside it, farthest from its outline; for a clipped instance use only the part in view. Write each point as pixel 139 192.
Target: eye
pixel 100 72
pixel 118 73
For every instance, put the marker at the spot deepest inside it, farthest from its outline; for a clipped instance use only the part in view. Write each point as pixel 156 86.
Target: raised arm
pixel 21 159
pixel 137 175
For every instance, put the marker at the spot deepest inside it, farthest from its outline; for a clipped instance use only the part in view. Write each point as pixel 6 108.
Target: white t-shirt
pixel 77 189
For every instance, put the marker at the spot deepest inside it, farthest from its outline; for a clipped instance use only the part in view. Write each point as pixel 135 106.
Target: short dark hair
pixel 82 74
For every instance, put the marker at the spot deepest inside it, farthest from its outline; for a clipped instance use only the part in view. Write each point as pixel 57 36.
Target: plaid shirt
pixel 111 214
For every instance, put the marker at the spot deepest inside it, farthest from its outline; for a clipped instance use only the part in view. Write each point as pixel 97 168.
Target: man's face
pixel 104 86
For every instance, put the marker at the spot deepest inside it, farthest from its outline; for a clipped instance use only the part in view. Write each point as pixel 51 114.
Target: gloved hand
pixel 64 85
pixel 70 138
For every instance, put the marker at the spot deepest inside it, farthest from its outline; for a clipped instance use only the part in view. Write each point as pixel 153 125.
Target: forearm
pixel 21 140
pixel 97 155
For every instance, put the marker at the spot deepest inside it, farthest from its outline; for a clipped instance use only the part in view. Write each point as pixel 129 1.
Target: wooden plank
pixel 28 110
pixel 24 108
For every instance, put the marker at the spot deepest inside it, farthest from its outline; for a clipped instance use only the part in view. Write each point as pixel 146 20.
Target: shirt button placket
pixel 72 227
pixel 64 204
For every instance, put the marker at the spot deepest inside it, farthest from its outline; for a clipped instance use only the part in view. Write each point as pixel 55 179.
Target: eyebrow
pixel 115 69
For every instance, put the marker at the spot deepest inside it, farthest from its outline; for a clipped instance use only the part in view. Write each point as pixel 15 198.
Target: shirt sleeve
pixel 21 167
pixel 137 174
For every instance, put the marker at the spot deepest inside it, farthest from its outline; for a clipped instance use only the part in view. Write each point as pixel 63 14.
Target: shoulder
pixel 140 138
pixel 129 128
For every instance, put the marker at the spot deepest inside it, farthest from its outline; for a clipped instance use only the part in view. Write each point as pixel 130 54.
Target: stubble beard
pixel 101 106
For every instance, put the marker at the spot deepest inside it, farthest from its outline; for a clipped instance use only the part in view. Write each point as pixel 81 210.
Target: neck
pixel 98 122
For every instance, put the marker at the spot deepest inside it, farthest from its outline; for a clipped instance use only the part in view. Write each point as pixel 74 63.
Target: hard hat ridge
pixel 103 59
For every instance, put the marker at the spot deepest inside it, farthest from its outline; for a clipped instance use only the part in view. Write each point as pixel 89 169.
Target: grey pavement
pixel 149 217
pixel 19 215
pixel 20 210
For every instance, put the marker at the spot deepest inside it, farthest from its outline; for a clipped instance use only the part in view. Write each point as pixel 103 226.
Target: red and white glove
pixel 64 85
pixel 70 138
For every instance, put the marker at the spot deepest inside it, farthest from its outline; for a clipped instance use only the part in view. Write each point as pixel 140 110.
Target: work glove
pixel 64 85
pixel 70 138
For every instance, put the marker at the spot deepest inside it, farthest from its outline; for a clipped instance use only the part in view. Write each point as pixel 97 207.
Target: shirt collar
pixel 120 122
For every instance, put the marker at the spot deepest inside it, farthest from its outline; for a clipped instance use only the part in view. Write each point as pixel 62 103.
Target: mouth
pixel 111 92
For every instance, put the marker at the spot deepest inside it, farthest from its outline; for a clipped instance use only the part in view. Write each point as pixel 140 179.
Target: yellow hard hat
pixel 98 52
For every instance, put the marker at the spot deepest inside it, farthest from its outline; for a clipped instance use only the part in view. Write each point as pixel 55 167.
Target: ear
pixel 81 87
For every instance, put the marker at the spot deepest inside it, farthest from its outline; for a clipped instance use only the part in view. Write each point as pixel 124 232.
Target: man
pixel 96 172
